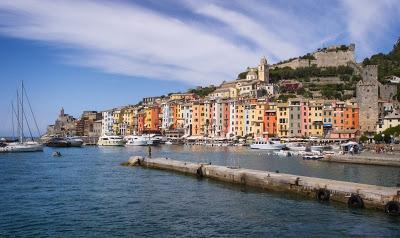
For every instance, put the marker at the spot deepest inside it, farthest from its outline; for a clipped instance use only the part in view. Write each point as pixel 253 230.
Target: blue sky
pixel 95 55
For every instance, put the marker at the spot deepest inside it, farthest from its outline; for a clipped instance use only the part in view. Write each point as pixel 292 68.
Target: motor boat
pixel 138 140
pixel 270 144
pixel 58 142
pixel 75 141
pixel 296 147
pixel 111 141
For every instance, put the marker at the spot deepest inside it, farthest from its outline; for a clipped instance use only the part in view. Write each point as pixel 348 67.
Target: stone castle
pixel 332 56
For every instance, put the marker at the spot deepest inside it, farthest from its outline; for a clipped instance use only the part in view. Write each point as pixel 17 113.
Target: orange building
pixel 152 119
pixel 270 123
pixel 140 122
pixel 197 118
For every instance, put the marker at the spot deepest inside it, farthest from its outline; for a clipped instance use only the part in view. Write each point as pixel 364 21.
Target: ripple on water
pixel 87 193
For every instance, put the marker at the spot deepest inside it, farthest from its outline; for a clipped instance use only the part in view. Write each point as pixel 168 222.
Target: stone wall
pixel 387 91
pixel 331 56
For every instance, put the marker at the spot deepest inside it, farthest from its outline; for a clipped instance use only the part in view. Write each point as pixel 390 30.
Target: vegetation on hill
pixel 202 91
pixel 242 75
pixel 277 74
pixel 388 64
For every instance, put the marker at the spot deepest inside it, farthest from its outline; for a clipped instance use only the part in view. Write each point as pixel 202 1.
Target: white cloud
pixel 126 39
pixel 369 22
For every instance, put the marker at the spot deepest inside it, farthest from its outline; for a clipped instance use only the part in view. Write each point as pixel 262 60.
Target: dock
pixel 355 195
pixel 363 159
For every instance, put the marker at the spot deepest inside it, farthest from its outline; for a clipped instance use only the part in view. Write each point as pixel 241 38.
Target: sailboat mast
pixel 18 118
pixel 12 120
pixel 22 111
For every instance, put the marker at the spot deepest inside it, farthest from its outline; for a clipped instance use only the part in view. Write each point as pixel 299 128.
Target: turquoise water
pixel 86 193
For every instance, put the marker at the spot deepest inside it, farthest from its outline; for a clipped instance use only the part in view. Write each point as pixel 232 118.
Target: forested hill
pixel 388 64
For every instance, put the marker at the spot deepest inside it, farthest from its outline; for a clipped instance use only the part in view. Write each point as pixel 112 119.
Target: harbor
pixel 87 189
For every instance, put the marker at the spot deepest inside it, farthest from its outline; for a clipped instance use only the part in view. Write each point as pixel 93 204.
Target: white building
pixel 389 121
pixel 187 118
pixel 107 122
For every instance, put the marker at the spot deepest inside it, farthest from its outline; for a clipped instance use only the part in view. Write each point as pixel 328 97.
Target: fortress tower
pixel 367 98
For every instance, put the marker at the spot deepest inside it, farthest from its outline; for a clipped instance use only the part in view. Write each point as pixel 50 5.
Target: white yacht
pixel 268 145
pixel 29 146
pixel 111 141
pixel 138 140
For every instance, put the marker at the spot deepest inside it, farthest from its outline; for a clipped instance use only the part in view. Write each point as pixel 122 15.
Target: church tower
pixel 62 112
pixel 263 70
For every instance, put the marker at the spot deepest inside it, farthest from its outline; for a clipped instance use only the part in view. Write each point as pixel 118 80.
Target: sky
pixel 96 55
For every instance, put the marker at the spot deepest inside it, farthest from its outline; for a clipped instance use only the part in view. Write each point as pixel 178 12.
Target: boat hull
pixel 267 147
pixel 19 148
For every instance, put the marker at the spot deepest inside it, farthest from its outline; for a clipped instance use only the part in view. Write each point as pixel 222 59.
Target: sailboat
pixel 23 144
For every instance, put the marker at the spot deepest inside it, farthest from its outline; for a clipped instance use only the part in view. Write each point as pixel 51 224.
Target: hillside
pixel 388 64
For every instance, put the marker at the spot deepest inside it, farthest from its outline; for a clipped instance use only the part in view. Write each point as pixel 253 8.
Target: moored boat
pixel 58 142
pixel 29 146
pixel 21 144
pixel 133 140
pixel 111 141
pixel 270 144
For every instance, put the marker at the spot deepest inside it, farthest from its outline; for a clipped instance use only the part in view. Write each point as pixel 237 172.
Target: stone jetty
pixel 353 194
pixel 363 159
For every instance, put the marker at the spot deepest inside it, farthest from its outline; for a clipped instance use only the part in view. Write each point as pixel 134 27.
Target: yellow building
pixel 128 120
pixel 117 121
pixel 239 123
pixel 256 119
pixel 282 117
pixel 316 118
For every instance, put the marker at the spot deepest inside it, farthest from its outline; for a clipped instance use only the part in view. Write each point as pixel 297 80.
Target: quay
pixel 356 195
pixel 368 159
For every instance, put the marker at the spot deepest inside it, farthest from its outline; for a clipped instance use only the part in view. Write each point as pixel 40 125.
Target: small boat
pixel 284 153
pixel 168 142
pixel 137 140
pixel 296 147
pixel 313 157
pixel 271 144
pixel 111 141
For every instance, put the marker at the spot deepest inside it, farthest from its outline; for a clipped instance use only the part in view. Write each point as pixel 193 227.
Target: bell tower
pixel 263 70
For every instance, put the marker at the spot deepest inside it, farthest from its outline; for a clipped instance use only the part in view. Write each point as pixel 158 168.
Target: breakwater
pixel 353 194
pixel 363 159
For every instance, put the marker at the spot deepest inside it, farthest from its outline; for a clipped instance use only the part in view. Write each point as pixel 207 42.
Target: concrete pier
pixel 363 159
pixel 354 194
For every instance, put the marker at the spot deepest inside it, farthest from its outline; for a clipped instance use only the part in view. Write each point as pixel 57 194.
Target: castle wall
pixel 387 91
pixel 331 57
